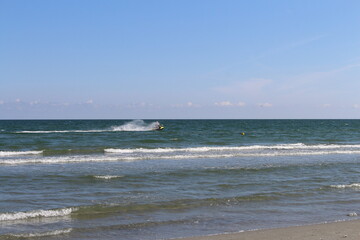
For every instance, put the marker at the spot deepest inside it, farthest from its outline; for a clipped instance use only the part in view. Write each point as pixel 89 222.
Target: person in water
pixel 158 126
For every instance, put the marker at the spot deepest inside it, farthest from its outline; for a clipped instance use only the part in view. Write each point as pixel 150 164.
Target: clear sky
pixel 152 59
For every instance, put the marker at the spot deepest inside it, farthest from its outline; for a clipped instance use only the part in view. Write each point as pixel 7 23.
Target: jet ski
pixel 158 127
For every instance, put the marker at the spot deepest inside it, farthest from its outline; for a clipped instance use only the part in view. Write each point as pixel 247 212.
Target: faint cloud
pixel 283 48
pixel 223 104
pixel 299 81
pixel 302 42
pixel 265 105
pixel 229 104
pixel 240 104
pixel 326 105
pixel 290 46
pixel 188 104
pixel 191 104
pixel 140 105
pixel 356 106
pixel 32 103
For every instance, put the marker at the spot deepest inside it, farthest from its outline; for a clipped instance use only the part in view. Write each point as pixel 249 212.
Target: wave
pixel 17 153
pixel 75 159
pixel 64 131
pixel 296 146
pixel 42 234
pixel 134 126
pixel 353 185
pixel 36 214
pixel 127 154
pixel 107 177
pixel 260 150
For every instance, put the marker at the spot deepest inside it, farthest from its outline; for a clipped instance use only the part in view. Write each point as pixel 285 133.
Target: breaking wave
pixel 17 153
pixel 107 177
pixel 42 234
pixel 353 185
pixel 127 154
pixel 36 214
pixel 64 131
pixel 286 149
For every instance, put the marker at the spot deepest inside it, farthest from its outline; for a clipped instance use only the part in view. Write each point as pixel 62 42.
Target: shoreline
pixel 349 230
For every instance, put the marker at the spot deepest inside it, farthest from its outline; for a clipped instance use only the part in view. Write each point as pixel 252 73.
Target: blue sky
pixel 142 59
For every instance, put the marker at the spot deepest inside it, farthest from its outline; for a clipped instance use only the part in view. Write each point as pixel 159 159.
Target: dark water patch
pixel 85 151
pixel 174 206
pixel 149 141
pixel 216 143
pixel 54 234
pixel 108 231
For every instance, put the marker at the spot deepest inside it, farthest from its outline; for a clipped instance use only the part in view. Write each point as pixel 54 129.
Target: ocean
pixel 119 179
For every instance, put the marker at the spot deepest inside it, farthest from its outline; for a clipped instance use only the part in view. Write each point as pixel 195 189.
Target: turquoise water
pixel 118 179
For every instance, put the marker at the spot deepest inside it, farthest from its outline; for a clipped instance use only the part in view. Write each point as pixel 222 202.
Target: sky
pixel 179 59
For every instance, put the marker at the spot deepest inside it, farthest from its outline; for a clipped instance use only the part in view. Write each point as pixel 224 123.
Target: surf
pixel 251 148
pixel 19 153
pixel 137 154
pixel 42 234
pixel 36 214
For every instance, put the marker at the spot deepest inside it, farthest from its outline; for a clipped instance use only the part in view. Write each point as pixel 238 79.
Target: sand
pixel 349 230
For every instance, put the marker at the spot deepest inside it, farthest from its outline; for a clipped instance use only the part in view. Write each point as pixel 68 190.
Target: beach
pixel 349 230
pixel 187 120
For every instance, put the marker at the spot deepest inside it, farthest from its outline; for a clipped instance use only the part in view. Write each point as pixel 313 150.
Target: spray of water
pixel 136 125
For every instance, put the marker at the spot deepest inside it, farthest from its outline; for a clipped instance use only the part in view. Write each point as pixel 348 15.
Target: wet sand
pixel 349 230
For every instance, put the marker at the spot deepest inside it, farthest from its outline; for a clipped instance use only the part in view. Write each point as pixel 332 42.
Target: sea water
pixel 119 179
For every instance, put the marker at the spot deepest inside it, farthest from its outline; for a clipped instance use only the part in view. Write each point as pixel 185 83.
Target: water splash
pixel 132 126
pixel 136 125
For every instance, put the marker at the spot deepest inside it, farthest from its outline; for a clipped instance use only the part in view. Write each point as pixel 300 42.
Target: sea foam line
pixel 296 146
pixel 43 234
pixel 353 185
pixel 107 177
pixel 64 131
pixel 17 153
pixel 89 158
pixel 36 214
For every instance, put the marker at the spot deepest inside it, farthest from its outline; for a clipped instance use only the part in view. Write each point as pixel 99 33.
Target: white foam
pixel 143 150
pixel 113 154
pixel 64 131
pixel 135 126
pixel 17 153
pixel 353 185
pixel 36 214
pixel 43 234
pixel 107 177
pixel 296 146
pixel 352 214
